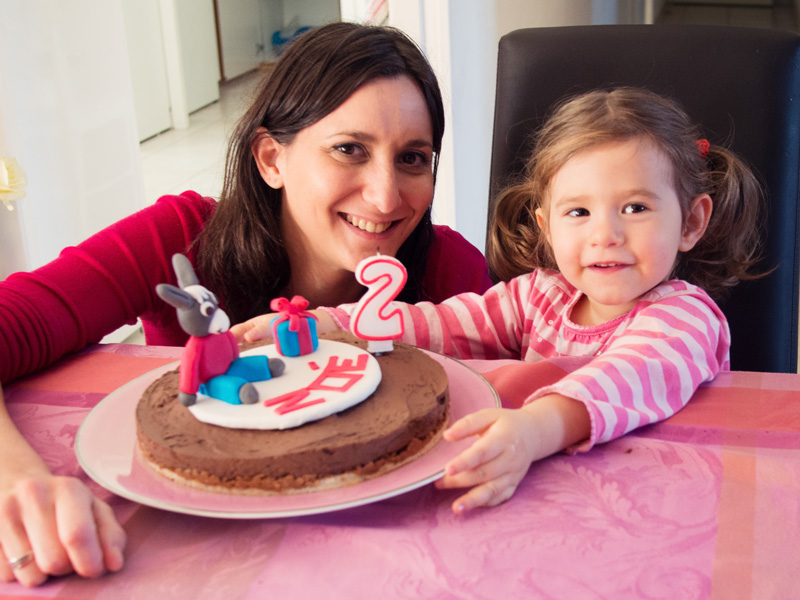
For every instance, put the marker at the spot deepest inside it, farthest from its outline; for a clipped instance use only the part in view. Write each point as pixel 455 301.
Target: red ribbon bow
pixel 703 146
pixel 292 310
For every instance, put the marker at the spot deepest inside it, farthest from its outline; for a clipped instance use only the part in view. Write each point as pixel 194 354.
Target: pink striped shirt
pixel 646 364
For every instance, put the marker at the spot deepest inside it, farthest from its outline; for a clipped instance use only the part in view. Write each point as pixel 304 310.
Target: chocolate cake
pixel 402 418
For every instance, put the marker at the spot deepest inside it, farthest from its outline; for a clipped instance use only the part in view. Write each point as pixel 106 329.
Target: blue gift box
pixel 295 343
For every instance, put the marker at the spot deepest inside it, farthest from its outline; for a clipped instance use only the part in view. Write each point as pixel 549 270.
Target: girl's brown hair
pixel 730 245
pixel 241 252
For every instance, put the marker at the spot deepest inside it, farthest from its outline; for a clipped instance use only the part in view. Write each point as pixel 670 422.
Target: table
pixel 703 505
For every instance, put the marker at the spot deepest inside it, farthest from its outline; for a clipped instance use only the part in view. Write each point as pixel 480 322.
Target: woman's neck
pixel 332 289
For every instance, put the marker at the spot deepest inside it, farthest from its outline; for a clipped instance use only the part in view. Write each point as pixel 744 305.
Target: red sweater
pixel 109 280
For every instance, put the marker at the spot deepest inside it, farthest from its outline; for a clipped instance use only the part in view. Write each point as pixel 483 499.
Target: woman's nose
pixel 381 189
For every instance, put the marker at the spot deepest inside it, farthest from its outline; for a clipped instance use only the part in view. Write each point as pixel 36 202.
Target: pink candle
pixel 375 318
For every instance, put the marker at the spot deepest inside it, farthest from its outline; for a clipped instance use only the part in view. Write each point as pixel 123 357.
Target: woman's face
pixel 356 181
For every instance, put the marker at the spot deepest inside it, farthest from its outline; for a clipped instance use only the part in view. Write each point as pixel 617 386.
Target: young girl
pixel 622 215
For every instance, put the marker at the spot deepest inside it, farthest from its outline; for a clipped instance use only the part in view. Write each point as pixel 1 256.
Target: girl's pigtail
pixel 516 244
pixel 731 245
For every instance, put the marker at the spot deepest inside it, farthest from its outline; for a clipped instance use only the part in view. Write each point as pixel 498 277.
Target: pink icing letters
pixel 345 371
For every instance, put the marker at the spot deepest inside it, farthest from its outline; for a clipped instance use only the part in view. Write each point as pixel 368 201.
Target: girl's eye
pixel 578 212
pixel 631 209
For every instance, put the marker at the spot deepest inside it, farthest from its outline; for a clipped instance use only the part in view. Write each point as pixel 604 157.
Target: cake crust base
pixel 320 484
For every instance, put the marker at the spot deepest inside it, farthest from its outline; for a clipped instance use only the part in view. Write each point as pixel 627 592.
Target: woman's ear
pixel 266 151
pixel 696 221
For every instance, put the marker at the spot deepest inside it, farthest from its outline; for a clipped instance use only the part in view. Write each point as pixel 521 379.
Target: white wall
pixel 240 35
pixel 310 12
pixel 197 37
pixel 148 67
pixel 66 107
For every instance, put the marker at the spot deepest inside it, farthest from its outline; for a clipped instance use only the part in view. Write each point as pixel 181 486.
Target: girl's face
pixel 615 226
pixel 356 181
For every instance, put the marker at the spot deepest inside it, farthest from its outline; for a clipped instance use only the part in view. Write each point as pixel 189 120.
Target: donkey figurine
pixel 210 363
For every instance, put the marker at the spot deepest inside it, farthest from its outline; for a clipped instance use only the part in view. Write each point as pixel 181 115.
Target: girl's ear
pixel 542 223
pixel 696 221
pixel 266 152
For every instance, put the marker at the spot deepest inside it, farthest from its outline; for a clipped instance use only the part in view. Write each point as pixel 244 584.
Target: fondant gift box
pixel 294 330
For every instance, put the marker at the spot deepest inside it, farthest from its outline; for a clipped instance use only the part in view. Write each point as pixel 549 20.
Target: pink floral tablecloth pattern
pixel 703 505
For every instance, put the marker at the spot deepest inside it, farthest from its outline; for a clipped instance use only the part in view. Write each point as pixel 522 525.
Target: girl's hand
pixel 509 441
pixel 254 329
pixel 496 462
pixel 64 527
pixel 260 327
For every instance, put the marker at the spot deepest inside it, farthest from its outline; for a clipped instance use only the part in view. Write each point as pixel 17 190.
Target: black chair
pixel 740 85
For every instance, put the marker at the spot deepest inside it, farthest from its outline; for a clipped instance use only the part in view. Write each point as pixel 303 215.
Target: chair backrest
pixel 739 85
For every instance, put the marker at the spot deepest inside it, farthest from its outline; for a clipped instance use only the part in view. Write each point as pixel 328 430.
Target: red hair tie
pixel 703 146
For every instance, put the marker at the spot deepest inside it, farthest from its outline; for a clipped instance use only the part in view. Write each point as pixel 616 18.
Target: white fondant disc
pixel 299 377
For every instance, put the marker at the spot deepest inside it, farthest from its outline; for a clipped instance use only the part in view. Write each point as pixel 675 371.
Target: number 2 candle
pixel 375 318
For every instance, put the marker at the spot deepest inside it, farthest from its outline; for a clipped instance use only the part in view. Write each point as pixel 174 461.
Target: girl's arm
pixel 651 366
pixel 56 518
pixel 468 326
pixel 648 371
pixel 509 441
pixel 259 327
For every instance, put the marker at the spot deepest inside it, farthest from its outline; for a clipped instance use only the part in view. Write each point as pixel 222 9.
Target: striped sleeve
pixel 466 326
pixel 652 365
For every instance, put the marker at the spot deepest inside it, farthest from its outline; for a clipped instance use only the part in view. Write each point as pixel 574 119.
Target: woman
pixel 335 160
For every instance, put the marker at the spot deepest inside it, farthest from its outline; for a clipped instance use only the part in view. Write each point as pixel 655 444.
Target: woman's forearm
pixel 17 458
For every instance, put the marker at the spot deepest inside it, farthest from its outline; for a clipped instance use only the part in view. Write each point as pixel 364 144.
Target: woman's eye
pixel 415 159
pixel 347 149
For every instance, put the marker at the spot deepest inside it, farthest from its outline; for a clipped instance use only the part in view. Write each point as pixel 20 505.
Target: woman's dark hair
pixel 724 254
pixel 241 252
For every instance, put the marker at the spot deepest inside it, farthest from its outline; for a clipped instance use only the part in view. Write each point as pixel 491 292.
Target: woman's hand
pixel 56 521
pixel 63 526
pixel 509 441
pixel 260 327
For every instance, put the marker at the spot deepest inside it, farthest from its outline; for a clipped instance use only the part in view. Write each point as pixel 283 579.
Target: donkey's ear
pixel 184 270
pixel 175 296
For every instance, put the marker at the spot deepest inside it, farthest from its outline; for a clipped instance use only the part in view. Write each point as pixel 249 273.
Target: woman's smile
pixel 367 225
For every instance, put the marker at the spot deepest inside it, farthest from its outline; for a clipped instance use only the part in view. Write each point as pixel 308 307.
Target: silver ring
pixel 20 561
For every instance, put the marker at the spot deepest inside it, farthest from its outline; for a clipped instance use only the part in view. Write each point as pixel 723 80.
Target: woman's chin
pixel 369 244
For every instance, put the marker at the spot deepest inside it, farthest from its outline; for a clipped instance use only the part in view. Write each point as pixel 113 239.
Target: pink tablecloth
pixel 704 505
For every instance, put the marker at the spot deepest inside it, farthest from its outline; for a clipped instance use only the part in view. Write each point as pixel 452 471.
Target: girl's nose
pixel 381 188
pixel 607 230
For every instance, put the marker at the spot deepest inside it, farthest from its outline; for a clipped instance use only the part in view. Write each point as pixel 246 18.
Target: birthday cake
pixel 395 424
pixel 295 413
